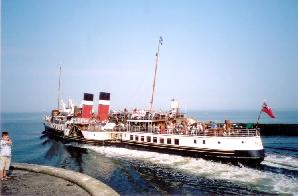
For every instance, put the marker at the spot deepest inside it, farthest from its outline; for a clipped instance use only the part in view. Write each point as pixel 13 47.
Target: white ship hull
pixel 243 149
pixel 102 136
pixel 247 148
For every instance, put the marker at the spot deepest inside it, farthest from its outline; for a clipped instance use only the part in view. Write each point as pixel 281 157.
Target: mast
pixel 155 70
pixel 59 88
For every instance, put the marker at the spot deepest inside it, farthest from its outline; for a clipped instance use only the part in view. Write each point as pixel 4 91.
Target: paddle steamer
pixel 166 132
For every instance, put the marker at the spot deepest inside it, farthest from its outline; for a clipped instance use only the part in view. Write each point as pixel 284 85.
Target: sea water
pixel 140 172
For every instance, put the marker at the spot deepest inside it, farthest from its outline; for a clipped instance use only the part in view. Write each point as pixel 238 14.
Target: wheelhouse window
pixel 169 141
pixel 176 141
pixel 204 142
pixel 136 138
pixel 148 138
pixel 131 137
pixel 154 139
pixel 142 138
pixel 161 140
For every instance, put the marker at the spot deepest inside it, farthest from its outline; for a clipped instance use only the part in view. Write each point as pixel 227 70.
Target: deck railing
pixel 208 132
pixel 219 132
pixel 230 133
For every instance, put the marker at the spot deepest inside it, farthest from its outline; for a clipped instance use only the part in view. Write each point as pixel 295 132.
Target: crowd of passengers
pixel 182 126
pixel 136 114
pixel 199 128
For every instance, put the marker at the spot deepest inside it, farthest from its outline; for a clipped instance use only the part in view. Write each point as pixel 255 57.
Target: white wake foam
pixel 281 161
pixel 256 179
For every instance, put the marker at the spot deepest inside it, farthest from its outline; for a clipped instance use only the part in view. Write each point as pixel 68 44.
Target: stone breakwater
pixel 279 129
pixel 26 179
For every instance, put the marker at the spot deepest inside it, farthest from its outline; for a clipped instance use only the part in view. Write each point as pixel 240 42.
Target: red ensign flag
pixel 267 110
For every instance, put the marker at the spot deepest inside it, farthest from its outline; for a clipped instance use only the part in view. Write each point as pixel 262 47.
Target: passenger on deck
pixel 162 128
pixel 228 126
pixel 170 128
pixel 213 125
pixel 194 129
pixel 200 128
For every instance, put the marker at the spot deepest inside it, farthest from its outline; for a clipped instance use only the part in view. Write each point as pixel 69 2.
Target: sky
pixel 216 54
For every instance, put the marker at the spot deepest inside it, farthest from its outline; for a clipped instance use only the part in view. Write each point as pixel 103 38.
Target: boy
pixel 5 155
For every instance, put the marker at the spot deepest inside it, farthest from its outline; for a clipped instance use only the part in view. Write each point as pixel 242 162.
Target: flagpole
pixel 259 115
pixel 59 88
pixel 155 70
pixel 259 118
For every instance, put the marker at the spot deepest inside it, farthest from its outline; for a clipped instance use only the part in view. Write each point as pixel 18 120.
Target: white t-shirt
pixel 5 148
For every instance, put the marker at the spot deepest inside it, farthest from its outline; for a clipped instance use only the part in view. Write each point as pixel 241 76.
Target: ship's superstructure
pixel 166 132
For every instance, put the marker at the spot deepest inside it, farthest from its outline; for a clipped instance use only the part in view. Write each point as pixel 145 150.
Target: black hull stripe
pixel 181 147
pixel 250 155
